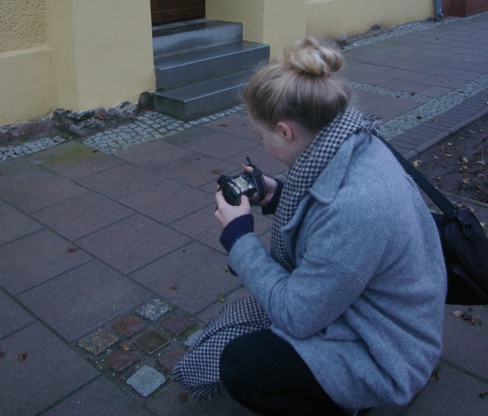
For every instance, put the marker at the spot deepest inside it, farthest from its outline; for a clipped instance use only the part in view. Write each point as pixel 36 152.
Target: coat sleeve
pixel 335 263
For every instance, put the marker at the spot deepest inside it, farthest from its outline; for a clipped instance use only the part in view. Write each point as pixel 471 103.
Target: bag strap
pixel 258 179
pixel 440 200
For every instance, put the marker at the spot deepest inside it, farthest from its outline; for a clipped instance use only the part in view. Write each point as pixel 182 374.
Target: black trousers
pixel 265 373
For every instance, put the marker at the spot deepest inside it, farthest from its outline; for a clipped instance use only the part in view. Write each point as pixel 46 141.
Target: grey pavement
pixel 109 253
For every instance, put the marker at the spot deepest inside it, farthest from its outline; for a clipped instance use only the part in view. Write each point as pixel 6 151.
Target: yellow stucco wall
pixel 22 24
pixel 102 51
pixel 27 84
pixel 280 22
pixel 27 76
pixel 330 18
pixel 73 54
pixel 81 54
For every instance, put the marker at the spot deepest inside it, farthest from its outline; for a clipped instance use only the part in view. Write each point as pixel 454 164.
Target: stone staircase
pixel 201 66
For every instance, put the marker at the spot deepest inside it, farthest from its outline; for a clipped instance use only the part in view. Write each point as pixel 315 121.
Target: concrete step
pixel 195 66
pixel 185 36
pixel 203 98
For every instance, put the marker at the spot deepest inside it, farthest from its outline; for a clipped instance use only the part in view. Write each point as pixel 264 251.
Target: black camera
pixel 245 183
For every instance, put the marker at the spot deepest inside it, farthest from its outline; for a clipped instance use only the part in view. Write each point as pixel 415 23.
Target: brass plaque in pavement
pixel 151 342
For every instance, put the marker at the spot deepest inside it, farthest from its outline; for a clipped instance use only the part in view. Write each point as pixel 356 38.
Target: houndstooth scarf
pixel 198 371
pixel 305 172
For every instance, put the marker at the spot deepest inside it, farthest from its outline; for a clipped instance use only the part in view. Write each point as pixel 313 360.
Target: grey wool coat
pixel 364 306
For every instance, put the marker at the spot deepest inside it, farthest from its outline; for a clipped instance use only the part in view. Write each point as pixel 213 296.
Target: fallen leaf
pixel 22 357
pixel 2 354
pixel 459 314
pixel 464 159
pixel 126 347
pixel 467 316
pixel 448 155
pixel 183 397
pixel 222 298
pixel 416 163
pixel 223 125
pixel 217 171
pixel 72 250
pixel 466 181
pixel 483 394
pixel 174 287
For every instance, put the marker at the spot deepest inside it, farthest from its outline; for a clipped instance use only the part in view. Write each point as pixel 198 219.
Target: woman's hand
pixel 271 186
pixel 225 212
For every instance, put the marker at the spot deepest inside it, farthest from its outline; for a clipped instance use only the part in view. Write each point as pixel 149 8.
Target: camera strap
pixel 258 180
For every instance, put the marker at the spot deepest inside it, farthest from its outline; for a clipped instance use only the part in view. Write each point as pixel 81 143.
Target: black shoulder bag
pixel 463 240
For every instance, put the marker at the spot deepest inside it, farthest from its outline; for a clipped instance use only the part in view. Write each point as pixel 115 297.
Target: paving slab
pixel 453 393
pixel 120 181
pixel 15 224
pixel 168 201
pixel 41 192
pixel 35 259
pixel 261 158
pixel 100 397
pixel 73 160
pixel 153 154
pixel 132 243
pixel 14 316
pixel 465 340
pixel 190 278
pixel 16 171
pixel 220 145
pixel 50 371
pixel 79 301
pixel 175 401
pixel 82 215
pixel 196 170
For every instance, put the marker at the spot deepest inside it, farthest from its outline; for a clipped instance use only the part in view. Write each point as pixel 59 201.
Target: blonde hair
pixel 301 87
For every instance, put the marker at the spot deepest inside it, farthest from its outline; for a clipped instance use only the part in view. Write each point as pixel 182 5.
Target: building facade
pixel 82 54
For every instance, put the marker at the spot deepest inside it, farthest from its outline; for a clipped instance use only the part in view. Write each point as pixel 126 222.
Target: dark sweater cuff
pixel 236 229
pixel 273 204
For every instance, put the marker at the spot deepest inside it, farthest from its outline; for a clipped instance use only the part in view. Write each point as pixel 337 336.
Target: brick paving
pixel 113 239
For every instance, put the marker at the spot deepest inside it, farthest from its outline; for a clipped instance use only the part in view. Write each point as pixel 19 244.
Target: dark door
pixel 165 11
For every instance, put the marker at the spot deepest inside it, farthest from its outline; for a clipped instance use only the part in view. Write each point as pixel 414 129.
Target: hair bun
pixel 309 57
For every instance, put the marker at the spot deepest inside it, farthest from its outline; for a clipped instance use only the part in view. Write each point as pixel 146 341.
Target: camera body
pixel 233 187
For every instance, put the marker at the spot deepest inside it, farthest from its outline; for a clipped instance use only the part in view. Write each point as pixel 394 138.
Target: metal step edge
pixel 186 36
pixel 196 66
pixel 198 100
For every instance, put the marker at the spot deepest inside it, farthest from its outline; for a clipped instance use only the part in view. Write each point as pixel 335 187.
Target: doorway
pixel 166 11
